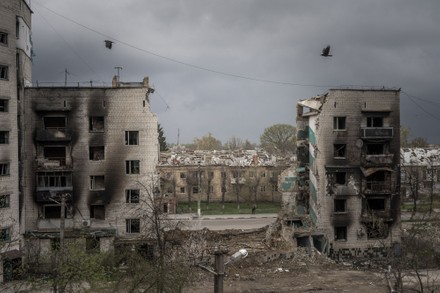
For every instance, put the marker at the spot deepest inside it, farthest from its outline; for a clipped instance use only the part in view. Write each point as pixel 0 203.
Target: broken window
pixel 4 137
pixel 4 169
pixel 182 189
pixel 96 123
pixel 374 121
pixel 341 233
pixel 5 201
pixel 97 212
pixel 339 123
pixel 132 167
pixel 3 38
pixel 340 205
pixel 5 234
pixel 195 189
pixel 97 182
pixel 182 175
pixel 54 122
pixel 55 153
pixel 131 137
pixel 96 153
pixel 4 105
pixel 53 211
pixel 340 178
pixel 132 195
pixel 377 230
pixel 262 188
pixel 376 204
pixel 3 72
pixel 339 150
pixel 132 225
pixel 54 179
pixel 375 148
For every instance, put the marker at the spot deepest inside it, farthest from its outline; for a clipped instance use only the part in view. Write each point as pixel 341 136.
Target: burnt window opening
pixel 4 72
pixel 339 150
pixel 340 233
pixel 132 195
pixel 5 234
pixel 182 175
pixel 376 204
pixel 4 137
pixel 54 122
pixel 97 182
pixel 132 167
pixel 146 251
pixel 97 212
pixel 53 211
pixel 182 189
pixel 375 149
pixel 377 176
pixel 374 121
pixel 96 123
pixel 3 38
pixel 4 169
pixel 96 153
pixel 55 153
pixel 195 189
pixel 165 208
pixel 339 123
pixel 4 105
pixel 131 137
pixel 340 205
pixel 92 244
pixel 5 201
pixel 54 179
pixel 377 230
pixel 133 225
pixel 296 223
pixel 262 174
pixel 340 178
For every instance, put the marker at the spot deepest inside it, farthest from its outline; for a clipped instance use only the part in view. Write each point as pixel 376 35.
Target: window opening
pixel 3 72
pixel 5 201
pixel 339 123
pixel 132 225
pixel 339 150
pixel 132 195
pixel 4 137
pixel 4 105
pixel 54 122
pixel 340 178
pixel 131 137
pixel 97 182
pixel 341 233
pixel 132 167
pixel 96 153
pixel 340 205
pixel 97 212
pixel 96 123
pixel 374 121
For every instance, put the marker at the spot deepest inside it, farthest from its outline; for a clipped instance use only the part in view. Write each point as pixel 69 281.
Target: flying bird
pixel 326 52
pixel 108 44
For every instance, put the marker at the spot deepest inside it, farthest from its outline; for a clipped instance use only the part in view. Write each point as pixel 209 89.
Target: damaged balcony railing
pixel 378 187
pixel 377 132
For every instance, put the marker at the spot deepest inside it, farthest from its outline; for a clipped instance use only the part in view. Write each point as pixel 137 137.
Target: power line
pixel 412 99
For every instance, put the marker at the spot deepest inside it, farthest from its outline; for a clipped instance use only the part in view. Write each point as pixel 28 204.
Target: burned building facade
pixel 228 176
pixel 15 73
pixel 347 176
pixel 91 156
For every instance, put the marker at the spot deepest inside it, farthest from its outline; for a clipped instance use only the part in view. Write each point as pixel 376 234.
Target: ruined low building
pixel 216 176
pixel 94 151
pixel 347 175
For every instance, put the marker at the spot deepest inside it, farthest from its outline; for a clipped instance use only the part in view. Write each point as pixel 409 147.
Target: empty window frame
pixel 262 174
pixel 340 178
pixel 375 148
pixel 4 105
pixel 263 188
pixel 376 204
pixel 131 137
pixel 96 123
pixel 4 72
pixel 97 212
pixel 4 137
pixel 182 189
pixel 340 205
pixel 96 153
pixel 54 122
pixel 374 121
pixel 55 153
pixel 132 167
pixel 377 230
pixel 195 189
pixel 54 179
pixel 5 201
pixel 132 195
pixel 339 150
pixel 3 38
pixel 133 225
pixel 4 169
pixel 182 175
pixel 340 233
pixel 97 182
pixel 339 123
pixel 5 234
pixel 53 211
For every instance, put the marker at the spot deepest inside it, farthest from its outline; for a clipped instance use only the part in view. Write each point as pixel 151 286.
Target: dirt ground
pixel 269 270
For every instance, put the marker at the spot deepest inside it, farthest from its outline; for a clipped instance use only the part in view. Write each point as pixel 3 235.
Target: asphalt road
pixel 220 222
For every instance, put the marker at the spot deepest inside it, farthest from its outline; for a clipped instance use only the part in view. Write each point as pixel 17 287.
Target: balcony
pixel 54 163
pixel 240 180
pixel 377 132
pixel 53 224
pixel 51 194
pixel 378 160
pixel 378 187
pixel 54 134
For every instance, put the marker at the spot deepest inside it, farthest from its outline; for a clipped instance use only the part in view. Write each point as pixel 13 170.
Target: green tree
pixel 279 139
pixel 419 142
pixel 208 143
pixel 404 136
pixel 162 139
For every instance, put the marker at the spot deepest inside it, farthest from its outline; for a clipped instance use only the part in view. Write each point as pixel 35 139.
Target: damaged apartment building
pixel 220 176
pixel 90 158
pixel 347 174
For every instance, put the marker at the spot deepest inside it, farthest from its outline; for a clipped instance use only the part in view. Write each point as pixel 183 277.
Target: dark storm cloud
pixel 375 43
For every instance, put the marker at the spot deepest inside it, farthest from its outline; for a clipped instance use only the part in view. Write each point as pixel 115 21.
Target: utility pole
pixel 219 267
pixel 200 191
pixel 118 69
pixel 65 77
pixel 63 219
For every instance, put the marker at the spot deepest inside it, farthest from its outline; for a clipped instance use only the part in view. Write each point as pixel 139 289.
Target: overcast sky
pixel 240 43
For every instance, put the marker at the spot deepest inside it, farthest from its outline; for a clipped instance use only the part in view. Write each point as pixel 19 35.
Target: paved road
pixel 222 222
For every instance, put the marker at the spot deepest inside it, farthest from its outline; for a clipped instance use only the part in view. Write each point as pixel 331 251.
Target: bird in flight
pixel 326 52
pixel 108 44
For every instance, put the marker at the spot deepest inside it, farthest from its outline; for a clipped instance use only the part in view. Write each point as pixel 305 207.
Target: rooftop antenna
pixel 178 135
pixel 65 76
pixel 118 69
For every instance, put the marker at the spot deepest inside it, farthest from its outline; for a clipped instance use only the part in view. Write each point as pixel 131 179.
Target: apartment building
pixel 347 176
pixel 91 156
pixel 216 176
pixel 15 73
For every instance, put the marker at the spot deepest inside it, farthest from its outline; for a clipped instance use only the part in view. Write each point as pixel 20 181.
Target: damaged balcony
pixel 377 160
pixel 376 132
pixel 53 224
pixel 54 134
pixel 376 208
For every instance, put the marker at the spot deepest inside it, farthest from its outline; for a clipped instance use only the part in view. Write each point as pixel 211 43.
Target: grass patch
pixel 230 208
